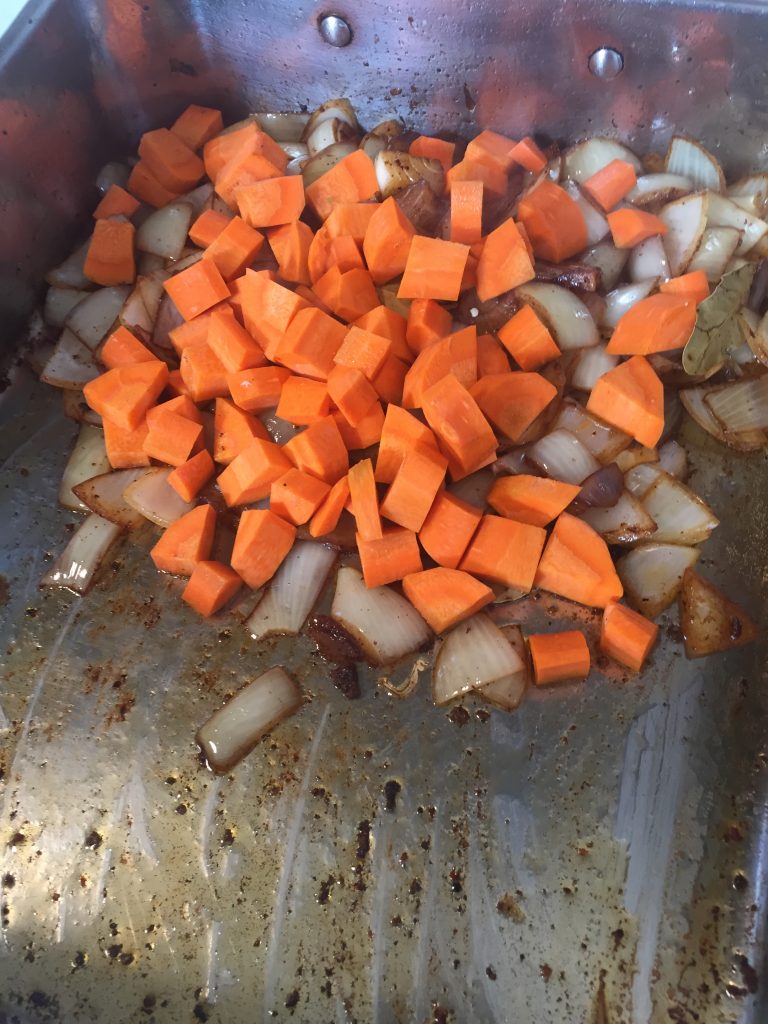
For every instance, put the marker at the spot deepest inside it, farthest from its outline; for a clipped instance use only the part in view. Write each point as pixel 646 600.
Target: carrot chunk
pixel 125 448
pixel 505 551
pixel 553 222
pixel 170 160
pixel 445 597
pixel 234 147
pixel 290 244
pixel 350 219
pixel 559 656
pixel 231 343
pixel 144 185
pixel 110 258
pixel 268 309
pixel 349 181
pixel 192 332
pixel 303 401
pixel 203 373
pixel 233 431
pixel 391 557
pixel 172 438
pixel 329 512
pixel 433 270
pixel 310 343
pixel 351 392
pixel 504 262
pixel 297 496
pixel 123 348
pixel 414 489
pixel 427 322
pixel 630 227
pixel 455 354
pixel 196 125
pixel 390 380
pixel 463 433
pixel 387 241
pixel 182 405
pixel 631 397
pixel 258 389
pixel 433 149
pixel 659 323
pixel 626 636
pixel 349 295
pixel 261 543
pixel 528 340
pixel 208 226
pixel 210 587
pixel 576 564
pixel 197 288
pixel 693 286
pixel 528 155
pixel 190 477
pixel 611 183
pixel 531 499
pixel 492 148
pixel 250 475
pixel 124 394
pixel 364 500
pixel 494 179
pixel 234 248
pixel 388 324
pixel 319 450
pixel 448 529
pixel 466 212
pixel 274 201
pixel 491 357
pixel 364 351
pixel 116 203
pixel 401 433
pixel 186 542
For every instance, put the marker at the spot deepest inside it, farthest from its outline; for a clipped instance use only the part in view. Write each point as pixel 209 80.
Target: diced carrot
pixel 319 257
pixel 411 494
pixel 531 499
pixel 576 564
pixel 427 322
pixel 351 392
pixel 559 656
pixel 145 186
pixel 350 219
pixel 345 253
pixel 554 223
pixel 388 324
pixel 349 295
pixel 233 431
pixel 528 155
pixel 192 332
pixel 492 148
pixel 402 433
pixel 231 343
pixel 528 340
pixel 203 373
pixel 234 248
pixel 124 394
pixel 631 397
pixel 363 350
pixel 693 286
pixel 448 529
pixel 196 125
pixel 611 183
pixel 261 543
pixel 310 343
pixel 125 448
pixel 627 636
pixel 493 178
pixel 297 496
pixel 250 474
pixel 170 160
pixel 433 149
pixel 434 269
pixel 110 258
pixel 504 262
pixel 444 597
pixel 387 241
pixel 351 180
pixel 274 201
pixel 463 433
pixel 363 434
pixel 491 357
pixel 123 348
pixel 181 405
pixel 505 551
pixel 390 558
pixel 197 288
pixel 303 401
pixel 210 587
pixel 241 172
pixel 259 389
pixel 208 226
pixel 329 512
pixel 175 385
pixel 630 227
pixel 456 354
pixel 659 323
pixel 290 243
pixel 364 500
pixel 390 379
pixel 116 203
pixel 467 212
pixel 319 450
pixel 235 146
pixel 172 438
pixel 311 299
pixel 189 478
pixel 186 542
pixel 268 309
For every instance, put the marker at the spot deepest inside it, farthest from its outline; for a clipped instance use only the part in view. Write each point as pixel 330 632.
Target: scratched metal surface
pixel 602 855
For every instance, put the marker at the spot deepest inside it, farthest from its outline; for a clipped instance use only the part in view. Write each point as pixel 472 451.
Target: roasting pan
pixel 600 856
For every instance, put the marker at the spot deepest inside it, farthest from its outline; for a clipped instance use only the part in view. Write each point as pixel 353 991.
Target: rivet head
pixel 335 31
pixel 606 63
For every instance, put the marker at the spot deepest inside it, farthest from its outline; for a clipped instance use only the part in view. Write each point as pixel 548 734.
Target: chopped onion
pixel 77 565
pixel 603 441
pixel 164 232
pixel 71 365
pixel 635 455
pixel 641 477
pixel 326 133
pixel 624 523
pixel 602 489
pixel 104 494
pixel 659 188
pixel 93 318
pixel 723 212
pixel 652 575
pixel 332 110
pixel 512 463
pixel 621 300
pixel 673 459
pixel 564 313
pixel 59 303
pixel 199 199
pixel 473 655
pixel 134 314
pixel 317 165
pixel 691 160
pixel 609 260
pixel 168 318
pixel 76 408
pixel 474 488
pixel 147 264
pixel 582 161
pixel 155 499
pixel 715 251
pixel 88 458
pixel 597 225
pixel 740 406
pixel 648 260
pixel 295 150
pixel 69 274
pixel 562 456
pixel 293 590
pixel 396 170
pixel 113 173
pixel 296 165
pixel 686 220
pixel 385 624
pixel 234 730
pixel 709 621
pixel 693 400
pixel 590 367
pixel 507 692
pixel 377 138
pixel 188 258
pixel 681 516
pixel 751 194
pixel 282 127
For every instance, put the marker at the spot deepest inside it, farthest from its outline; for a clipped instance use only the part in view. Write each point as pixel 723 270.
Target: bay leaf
pixel 718 330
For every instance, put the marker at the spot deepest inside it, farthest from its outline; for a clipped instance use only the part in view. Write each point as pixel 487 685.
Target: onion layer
pixel 605 442
pixel 652 575
pixel 88 458
pixel 155 499
pixel 709 621
pixel 93 318
pixel 71 365
pixel 473 655
pixel 691 160
pixel 562 456
pixel 507 692
pixel 164 232
pixel 686 220
pixel 293 591
pixel 77 565
pixel 625 523
pixel 103 494
pixel 564 313
pixel 681 516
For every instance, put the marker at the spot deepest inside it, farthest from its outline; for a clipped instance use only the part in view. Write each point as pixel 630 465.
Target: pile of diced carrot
pixel 312 339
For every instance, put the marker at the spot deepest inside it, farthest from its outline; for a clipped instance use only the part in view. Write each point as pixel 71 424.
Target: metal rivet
pixel 606 63
pixel 335 31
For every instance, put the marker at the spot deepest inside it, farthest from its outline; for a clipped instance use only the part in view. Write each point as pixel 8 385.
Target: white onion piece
pixel 635 455
pixel 603 441
pixel 233 731
pixel 621 300
pixel 325 134
pixel 76 408
pixel 88 458
pixel 372 145
pixel 749 185
pixel 473 655
pixel 93 318
pixel 652 575
pixel 597 225
pixel 155 499
pixel 293 590
pixel 295 150
pixel 199 199
pixel 673 459
pixel 507 692
pixel 609 260
pixel 113 173
pixel 71 365
pixel 641 477
pixel 693 400
pixel 709 621
pixel 624 523
pixel 168 318
pixel 59 303
pixel 317 165
pixel 296 165
pixel 753 204
pixel 566 316
pixel 474 488
pixel 592 363
pixel 152 292
pixel 691 160
pixel 582 161
pixel 70 274
pixel 681 516
pixel 280 430
pixel 562 456
pixel 686 220
pixel 648 260
pixel 332 110
pixel 76 566
pixel 147 264
pixel 659 188
pixel 717 247
pixel 188 259
pixel 385 625
pixel 282 127
pixel 104 494
pixel 724 213
pixel 396 170
pixel 740 406
pixel 134 315
pixel 164 232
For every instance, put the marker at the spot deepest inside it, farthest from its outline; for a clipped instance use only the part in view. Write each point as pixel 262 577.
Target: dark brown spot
pixel 292 999
pixel 93 840
pixel 345 680
pixel 545 971
pixel 391 789
pixel 740 882
pixel 324 895
pixel 748 973
pixel 459 715
pixel 363 839
pixel 491 973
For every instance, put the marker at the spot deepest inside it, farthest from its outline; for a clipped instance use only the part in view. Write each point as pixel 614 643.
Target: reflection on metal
pixel 606 63
pixel 335 30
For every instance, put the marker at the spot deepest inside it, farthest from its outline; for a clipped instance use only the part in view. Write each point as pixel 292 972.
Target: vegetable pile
pixel 460 368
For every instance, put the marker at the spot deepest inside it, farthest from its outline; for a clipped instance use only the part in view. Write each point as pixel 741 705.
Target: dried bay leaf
pixel 718 330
